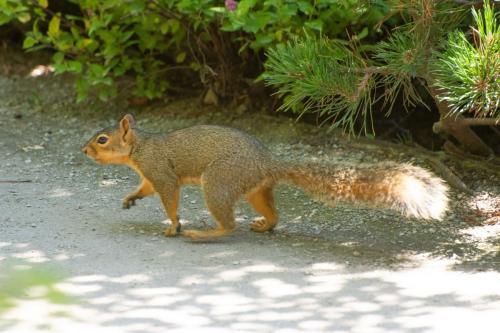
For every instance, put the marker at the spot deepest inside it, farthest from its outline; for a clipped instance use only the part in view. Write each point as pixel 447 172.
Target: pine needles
pixel 323 76
pixel 468 74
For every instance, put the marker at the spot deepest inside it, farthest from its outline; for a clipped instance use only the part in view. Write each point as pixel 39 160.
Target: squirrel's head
pixel 112 145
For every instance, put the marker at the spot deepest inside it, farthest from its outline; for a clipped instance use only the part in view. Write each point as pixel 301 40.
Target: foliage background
pixel 103 40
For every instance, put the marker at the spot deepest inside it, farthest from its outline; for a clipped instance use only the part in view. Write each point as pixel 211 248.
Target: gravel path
pixel 347 269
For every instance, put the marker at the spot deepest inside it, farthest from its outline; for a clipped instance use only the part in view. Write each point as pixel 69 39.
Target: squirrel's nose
pixel 84 149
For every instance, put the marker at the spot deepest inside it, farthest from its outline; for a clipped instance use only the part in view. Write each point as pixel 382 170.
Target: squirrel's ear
pixel 128 118
pixel 126 127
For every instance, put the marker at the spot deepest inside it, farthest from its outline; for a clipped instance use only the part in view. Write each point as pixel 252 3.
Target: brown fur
pixel 229 164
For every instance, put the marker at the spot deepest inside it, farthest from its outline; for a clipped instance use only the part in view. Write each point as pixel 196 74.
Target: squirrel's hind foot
pixel 261 225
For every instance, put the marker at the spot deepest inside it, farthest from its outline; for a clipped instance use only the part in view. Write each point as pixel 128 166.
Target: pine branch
pixel 325 77
pixel 480 122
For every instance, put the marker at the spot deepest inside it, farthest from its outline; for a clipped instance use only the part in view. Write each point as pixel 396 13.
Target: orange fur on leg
pixel 263 203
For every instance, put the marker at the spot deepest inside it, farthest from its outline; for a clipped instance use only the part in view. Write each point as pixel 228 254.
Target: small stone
pixel 316 230
pixel 211 98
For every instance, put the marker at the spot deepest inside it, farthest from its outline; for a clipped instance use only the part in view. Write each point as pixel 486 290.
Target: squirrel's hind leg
pixel 222 213
pixel 220 200
pixel 170 202
pixel 262 201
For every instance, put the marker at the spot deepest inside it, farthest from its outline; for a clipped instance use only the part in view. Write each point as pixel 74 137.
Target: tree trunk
pixel 459 128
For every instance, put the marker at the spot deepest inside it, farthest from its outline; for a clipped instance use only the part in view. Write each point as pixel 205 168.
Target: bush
pixel 468 75
pixel 428 53
pixel 107 39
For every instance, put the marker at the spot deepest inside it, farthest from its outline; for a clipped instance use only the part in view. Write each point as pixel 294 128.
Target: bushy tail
pixel 409 189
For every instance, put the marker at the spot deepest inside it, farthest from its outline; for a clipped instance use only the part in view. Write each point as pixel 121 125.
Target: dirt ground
pixel 343 269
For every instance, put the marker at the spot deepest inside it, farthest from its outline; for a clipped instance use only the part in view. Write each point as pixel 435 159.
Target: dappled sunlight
pixel 224 303
pixel 66 256
pixel 32 256
pixel 263 295
pixel 484 201
pixel 483 232
pixel 275 288
pixel 109 182
pixel 27 255
pixel 60 192
pixel 485 207
pixel 435 277
pixel 77 289
pixel 239 273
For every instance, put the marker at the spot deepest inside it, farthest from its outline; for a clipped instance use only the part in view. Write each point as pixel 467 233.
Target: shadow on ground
pixel 223 292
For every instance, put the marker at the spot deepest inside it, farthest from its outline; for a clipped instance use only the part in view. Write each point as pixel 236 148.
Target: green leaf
pixel 315 24
pixel 174 25
pixel 244 6
pixel 58 58
pixel 258 22
pixel 43 3
pixel 74 66
pixel 97 70
pixel 24 17
pixel 180 57
pixel 194 66
pixel 82 88
pixel 164 27
pixel 218 9
pixel 54 26
pixel 262 40
pixel 4 19
pixel 29 42
pixel 305 7
pixel 362 34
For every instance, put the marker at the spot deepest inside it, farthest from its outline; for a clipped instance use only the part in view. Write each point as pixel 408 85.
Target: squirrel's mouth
pixel 96 159
pixel 87 151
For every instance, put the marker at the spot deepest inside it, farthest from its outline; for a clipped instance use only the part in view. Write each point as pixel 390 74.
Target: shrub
pixel 339 81
pixel 107 39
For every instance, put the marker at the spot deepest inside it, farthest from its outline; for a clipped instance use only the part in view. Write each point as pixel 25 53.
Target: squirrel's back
pixel 191 150
pixel 212 142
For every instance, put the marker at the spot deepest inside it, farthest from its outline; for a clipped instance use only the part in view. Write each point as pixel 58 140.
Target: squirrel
pixel 230 164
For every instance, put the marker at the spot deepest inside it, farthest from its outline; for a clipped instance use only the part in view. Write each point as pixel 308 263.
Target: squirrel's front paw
pixel 172 230
pixel 128 202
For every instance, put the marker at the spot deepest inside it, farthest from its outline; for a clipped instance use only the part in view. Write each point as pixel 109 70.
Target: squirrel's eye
pixel 102 140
